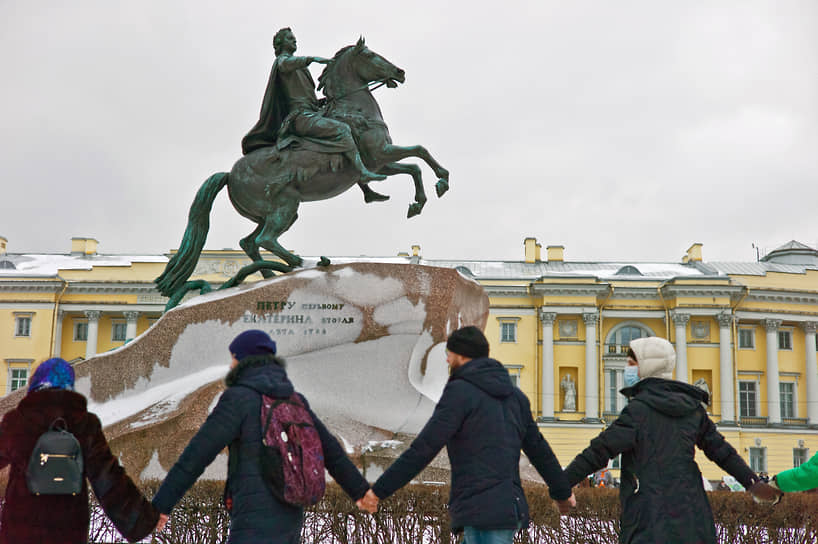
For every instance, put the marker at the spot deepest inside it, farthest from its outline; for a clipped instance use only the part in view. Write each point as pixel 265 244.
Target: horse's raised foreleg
pixel 413 170
pixel 277 222
pixel 250 247
pixel 394 153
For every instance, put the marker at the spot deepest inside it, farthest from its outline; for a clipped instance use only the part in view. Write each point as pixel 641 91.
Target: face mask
pixel 631 375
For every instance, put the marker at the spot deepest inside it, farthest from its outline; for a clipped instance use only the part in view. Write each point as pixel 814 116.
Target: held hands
pixel 766 492
pixel 567 505
pixel 368 502
pixel 163 519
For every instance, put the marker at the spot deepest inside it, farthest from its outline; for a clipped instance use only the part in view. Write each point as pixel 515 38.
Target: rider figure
pixel 290 108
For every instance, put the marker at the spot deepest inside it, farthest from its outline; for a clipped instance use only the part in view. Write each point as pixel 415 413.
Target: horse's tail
pixel 182 265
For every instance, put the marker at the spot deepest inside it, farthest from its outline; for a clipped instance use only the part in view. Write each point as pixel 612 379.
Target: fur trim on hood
pixel 656 357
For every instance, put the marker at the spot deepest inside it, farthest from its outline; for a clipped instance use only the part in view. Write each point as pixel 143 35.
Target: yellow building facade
pixel 744 331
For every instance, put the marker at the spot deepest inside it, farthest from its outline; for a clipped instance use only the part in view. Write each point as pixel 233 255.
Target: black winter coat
pixel 56 519
pixel 484 421
pixel 256 514
pixel 661 491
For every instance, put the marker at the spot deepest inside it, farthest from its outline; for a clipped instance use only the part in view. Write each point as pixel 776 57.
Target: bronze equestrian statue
pixel 298 152
pixel 290 107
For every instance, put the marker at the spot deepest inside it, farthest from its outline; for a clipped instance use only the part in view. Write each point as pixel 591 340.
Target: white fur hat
pixel 656 357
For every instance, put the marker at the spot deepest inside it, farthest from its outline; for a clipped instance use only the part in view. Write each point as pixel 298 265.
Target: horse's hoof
pixel 414 209
pixel 295 261
pixel 441 187
pixel 323 261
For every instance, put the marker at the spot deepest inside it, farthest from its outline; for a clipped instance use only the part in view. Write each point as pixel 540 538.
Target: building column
pixel 811 372
pixel 58 334
pixel 773 389
pixel 680 322
pixel 547 400
pixel 727 407
pixel 93 332
pixel 130 327
pixel 591 368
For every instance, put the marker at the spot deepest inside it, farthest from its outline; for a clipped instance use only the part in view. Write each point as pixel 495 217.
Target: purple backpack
pixel 293 457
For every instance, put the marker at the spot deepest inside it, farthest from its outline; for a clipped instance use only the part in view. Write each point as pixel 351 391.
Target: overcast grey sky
pixel 626 129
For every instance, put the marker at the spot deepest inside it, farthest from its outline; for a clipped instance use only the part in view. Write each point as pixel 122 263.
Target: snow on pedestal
pixel 364 342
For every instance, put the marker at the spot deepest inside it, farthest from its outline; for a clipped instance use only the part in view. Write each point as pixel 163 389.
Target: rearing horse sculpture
pixel 268 184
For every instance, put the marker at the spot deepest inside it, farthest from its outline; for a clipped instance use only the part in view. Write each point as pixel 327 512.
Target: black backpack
pixel 55 466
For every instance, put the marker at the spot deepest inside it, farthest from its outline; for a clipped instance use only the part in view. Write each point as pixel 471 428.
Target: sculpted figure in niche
pixel 569 404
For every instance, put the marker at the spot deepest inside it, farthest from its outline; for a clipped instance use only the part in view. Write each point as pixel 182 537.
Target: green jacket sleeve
pixel 799 478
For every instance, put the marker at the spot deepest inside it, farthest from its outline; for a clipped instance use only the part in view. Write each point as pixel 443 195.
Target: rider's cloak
pixel 274 109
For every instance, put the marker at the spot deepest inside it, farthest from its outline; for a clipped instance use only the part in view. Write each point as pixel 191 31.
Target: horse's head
pixel 355 66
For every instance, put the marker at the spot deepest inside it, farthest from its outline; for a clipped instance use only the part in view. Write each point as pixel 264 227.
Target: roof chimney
pixel 556 253
pixel 3 243
pixel 694 253
pixel 83 246
pixel 532 250
pixel 415 250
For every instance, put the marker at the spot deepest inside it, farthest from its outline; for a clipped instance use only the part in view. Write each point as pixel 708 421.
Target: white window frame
pixel 18 319
pixel 797 462
pixel 613 336
pixel 514 372
pixel 760 455
pixel 614 377
pixel 752 332
pixel 513 323
pixel 77 324
pixel 756 404
pixel 17 364
pixel 794 405
pixel 119 323
pixel 788 333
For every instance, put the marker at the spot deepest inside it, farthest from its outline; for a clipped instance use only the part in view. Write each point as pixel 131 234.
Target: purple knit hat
pixel 54 373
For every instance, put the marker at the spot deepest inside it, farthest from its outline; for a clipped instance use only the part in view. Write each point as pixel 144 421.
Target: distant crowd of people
pixel 482 419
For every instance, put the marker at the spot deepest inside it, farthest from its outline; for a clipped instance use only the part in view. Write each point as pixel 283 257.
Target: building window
pixel 18 378
pixel 746 339
pixel 758 459
pixel 508 331
pixel 118 331
pixel 22 325
pixel 618 341
pixel 787 390
pixel 785 340
pixel 514 374
pixel 799 456
pixel 81 331
pixel 610 401
pixel 747 397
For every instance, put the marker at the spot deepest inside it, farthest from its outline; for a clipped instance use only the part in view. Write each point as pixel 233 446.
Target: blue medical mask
pixel 631 375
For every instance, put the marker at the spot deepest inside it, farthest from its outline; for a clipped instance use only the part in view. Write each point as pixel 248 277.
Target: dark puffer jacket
pixel 32 519
pixel 662 495
pixel 256 515
pixel 484 421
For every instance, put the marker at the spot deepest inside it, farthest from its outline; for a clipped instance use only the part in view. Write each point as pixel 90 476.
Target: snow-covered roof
pixel 759 268
pixel 49 265
pixel 602 270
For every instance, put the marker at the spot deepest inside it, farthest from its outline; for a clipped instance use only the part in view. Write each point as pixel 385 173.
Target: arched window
pixel 620 337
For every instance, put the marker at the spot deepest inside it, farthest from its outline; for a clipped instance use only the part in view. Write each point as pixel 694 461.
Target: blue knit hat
pixel 54 373
pixel 252 342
